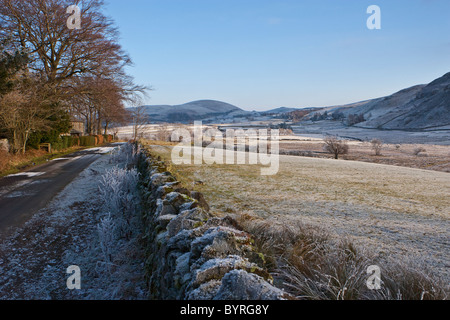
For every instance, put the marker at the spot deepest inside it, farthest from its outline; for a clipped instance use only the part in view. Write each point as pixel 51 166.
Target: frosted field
pixel 393 211
pixel 150 131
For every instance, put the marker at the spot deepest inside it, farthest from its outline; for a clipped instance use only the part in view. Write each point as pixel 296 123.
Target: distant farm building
pixel 78 129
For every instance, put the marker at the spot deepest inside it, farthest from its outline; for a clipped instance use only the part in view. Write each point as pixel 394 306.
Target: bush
pixel 335 146
pixel 108 138
pixel 87 141
pixel 34 140
pixel 67 142
pixel 377 145
pixel 4 159
pixel 418 151
pixel 99 139
pixel 75 141
pixel 353 119
pixel 58 143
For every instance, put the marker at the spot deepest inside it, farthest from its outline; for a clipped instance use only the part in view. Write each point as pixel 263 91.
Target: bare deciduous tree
pixel 82 71
pixel 335 146
pixel 21 113
pixel 163 133
pixel 418 151
pixel 140 122
pixel 40 28
pixel 377 146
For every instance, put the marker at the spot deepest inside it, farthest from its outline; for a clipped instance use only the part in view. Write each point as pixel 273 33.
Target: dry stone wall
pixel 192 254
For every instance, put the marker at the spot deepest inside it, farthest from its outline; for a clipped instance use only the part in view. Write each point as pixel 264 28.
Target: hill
pixel 192 111
pixel 417 108
pixel 281 110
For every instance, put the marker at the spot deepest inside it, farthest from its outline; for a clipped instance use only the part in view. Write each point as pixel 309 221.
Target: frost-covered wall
pixel 192 254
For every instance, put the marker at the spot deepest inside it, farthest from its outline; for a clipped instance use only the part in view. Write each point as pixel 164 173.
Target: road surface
pixel 24 194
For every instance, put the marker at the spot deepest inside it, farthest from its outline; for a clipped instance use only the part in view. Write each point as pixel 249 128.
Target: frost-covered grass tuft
pixel 117 190
pixel 127 153
pixel 106 235
pixel 309 264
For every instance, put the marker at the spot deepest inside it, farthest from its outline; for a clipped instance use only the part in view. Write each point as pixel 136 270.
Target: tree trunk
pixel 99 123
pixel 25 139
pixel 15 142
pixel 106 127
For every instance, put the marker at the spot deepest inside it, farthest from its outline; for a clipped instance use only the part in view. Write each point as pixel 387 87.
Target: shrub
pixel 75 141
pixel 117 191
pixel 58 145
pixel 106 234
pixel 353 119
pixel 100 139
pixel 87 141
pixel 68 142
pixel 335 146
pixel 419 150
pixel 4 159
pixel 107 138
pixel 377 145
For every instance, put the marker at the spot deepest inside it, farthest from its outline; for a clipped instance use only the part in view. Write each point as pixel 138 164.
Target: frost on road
pixel 94 223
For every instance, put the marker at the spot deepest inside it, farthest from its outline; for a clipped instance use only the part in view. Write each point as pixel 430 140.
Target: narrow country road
pixel 24 194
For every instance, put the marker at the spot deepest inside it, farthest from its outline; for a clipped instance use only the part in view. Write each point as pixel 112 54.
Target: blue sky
pixel 262 54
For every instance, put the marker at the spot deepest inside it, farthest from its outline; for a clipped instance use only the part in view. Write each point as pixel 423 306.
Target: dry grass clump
pixel 4 160
pixel 308 264
pixel 13 163
pixel 412 280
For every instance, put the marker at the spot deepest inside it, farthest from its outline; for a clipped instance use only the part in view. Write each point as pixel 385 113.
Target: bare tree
pixel 163 133
pixel 59 53
pixel 101 102
pixel 418 151
pixel 63 57
pixel 81 72
pixel 21 113
pixel 377 146
pixel 335 146
pixel 140 122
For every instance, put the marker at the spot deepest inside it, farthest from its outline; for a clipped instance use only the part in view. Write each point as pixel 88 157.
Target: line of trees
pixel 51 75
pixel 350 120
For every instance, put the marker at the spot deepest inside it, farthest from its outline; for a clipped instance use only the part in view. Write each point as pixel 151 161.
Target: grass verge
pixel 12 164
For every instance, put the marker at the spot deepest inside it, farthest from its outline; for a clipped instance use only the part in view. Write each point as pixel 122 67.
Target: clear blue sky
pixel 262 54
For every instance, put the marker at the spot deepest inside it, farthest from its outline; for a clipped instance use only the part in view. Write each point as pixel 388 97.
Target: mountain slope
pixel 416 108
pixel 280 110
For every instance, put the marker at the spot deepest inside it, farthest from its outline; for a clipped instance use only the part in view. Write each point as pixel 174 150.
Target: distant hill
pixel 280 110
pixel 420 107
pixel 417 108
pixel 192 111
